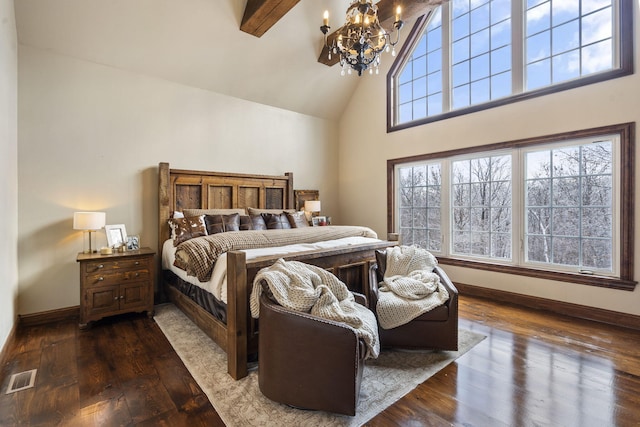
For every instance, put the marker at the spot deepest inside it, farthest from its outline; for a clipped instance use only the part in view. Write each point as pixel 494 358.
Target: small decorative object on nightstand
pixel 118 283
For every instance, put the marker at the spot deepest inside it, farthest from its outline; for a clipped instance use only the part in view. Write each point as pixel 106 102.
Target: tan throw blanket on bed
pixel 310 289
pixel 198 255
pixel 410 288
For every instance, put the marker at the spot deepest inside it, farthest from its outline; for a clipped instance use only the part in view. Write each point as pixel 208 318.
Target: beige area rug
pixel 240 403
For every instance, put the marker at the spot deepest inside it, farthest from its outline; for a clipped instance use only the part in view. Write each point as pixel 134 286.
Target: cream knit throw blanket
pixel 310 289
pixel 410 288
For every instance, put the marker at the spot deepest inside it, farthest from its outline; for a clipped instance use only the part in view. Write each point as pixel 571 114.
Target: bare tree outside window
pixel 568 202
pixel 481 211
pixel 420 201
pixel 558 207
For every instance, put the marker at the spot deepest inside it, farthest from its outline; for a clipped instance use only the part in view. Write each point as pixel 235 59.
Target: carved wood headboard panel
pixel 180 189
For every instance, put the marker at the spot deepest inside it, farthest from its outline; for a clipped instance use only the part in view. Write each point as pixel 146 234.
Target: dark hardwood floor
pixel 533 369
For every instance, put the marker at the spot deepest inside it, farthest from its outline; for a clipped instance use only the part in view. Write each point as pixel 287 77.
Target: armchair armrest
pixel 446 282
pixel 360 298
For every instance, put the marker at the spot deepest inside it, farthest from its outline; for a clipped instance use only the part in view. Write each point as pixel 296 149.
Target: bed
pixel 234 330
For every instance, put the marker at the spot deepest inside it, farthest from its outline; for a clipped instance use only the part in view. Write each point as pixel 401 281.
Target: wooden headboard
pixel 180 189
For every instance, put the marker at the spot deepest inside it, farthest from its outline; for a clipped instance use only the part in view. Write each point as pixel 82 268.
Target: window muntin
pixel 562 216
pixel 569 206
pixel 560 44
pixel 420 83
pixel 481 201
pixel 480 51
pixel 567 39
pixel 419 201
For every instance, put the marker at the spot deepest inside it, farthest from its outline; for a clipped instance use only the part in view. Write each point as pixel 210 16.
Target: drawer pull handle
pixel 100 279
pixel 137 274
pixel 101 266
pixel 137 262
pixel 121 296
pixel 116 298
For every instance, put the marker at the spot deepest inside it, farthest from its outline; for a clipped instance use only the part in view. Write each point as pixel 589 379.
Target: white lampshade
pixel 312 206
pixel 89 220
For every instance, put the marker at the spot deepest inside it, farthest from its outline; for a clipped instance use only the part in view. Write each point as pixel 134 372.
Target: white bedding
pixel 218 283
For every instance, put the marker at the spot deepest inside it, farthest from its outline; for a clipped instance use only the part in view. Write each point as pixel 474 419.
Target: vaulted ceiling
pixel 200 43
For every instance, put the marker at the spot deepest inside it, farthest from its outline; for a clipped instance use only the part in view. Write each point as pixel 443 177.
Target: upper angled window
pixel 470 55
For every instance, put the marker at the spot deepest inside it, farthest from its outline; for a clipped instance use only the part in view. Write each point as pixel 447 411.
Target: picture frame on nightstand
pixel 133 242
pixel 116 235
pixel 319 221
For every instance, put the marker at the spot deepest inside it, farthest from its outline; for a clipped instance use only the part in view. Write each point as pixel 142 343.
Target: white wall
pixel 9 168
pixel 91 138
pixel 364 150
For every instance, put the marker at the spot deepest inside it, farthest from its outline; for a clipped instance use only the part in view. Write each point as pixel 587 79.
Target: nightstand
pixel 118 283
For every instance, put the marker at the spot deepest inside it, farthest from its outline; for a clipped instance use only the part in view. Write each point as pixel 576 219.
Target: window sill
pixel 581 279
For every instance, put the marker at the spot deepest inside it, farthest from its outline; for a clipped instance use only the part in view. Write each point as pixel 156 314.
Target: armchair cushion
pixel 435 329
pixel 410 287
pixel 310 289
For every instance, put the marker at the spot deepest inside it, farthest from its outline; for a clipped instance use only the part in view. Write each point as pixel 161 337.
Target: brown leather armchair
pixel 309 362
pixel 436 329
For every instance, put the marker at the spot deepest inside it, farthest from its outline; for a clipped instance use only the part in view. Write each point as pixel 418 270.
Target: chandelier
pixel 361 40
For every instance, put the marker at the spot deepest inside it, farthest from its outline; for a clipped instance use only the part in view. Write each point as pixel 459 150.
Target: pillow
pixel 196 212
pixel 256 211
pixel 257 222
pixel 183 229
pixel 220 223
pixel 297 219
pixel 245 223
pixel 276 221
pixel 177 214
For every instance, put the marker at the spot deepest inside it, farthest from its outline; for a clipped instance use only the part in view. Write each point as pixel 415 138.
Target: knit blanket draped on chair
pixel 310 289
pixel 410 288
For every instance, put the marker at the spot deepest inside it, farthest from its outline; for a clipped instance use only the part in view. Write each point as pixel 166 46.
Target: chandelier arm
pixel 355 43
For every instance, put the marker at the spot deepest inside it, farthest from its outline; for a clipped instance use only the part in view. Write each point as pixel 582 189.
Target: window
pixel 419 189
pixel 560 204
pixel 569 205
pixel 475 54
pixel 481 206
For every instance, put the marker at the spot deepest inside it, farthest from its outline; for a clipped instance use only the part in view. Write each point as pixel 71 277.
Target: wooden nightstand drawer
pixel 109 266
pixel 114 277
pixel 115 284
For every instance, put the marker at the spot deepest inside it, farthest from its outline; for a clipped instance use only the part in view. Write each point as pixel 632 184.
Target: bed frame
pixel 185 189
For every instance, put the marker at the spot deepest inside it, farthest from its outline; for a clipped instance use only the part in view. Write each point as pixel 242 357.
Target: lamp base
pixel 91 249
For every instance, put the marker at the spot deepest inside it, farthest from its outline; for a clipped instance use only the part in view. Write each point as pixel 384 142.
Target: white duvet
pixel 217 285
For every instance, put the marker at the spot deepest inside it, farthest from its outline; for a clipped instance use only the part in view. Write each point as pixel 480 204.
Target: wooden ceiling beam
pixel 386 16
pixel 260 15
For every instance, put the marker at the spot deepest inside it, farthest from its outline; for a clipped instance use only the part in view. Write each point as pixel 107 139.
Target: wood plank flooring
pixel 533 369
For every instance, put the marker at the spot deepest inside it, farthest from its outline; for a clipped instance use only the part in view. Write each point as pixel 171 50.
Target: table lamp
pixel 89 222
pixel 312 206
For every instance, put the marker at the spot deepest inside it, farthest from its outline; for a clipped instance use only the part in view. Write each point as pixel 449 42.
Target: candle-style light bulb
pixel 398 11
pixel 325 20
